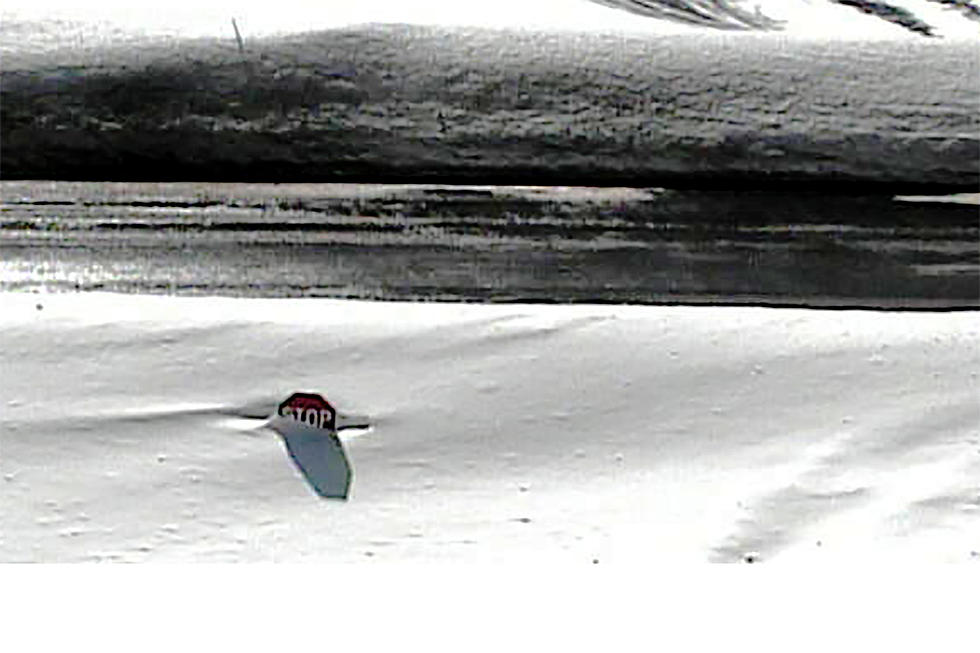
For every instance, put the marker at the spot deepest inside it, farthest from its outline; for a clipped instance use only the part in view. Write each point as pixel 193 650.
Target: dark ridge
pixel 667 208
pixel 162 204
pixel 366 227
pixel 827 304
pixel 454 193
pixel 667 233
pixel 442 294
pixel 517 175
pixel 41 203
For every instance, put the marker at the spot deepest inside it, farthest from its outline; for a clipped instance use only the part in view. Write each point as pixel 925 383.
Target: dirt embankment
pixel 389 103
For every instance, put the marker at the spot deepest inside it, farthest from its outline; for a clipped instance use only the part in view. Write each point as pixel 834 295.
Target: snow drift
pixel 134 429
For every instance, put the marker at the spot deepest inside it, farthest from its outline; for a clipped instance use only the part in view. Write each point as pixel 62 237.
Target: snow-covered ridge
pixel 470 105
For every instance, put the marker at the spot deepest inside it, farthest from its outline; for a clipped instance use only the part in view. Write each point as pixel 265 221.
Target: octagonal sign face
pixel 309 409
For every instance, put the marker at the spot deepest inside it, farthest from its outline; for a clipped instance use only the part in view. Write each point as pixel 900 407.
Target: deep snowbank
pixel 132 430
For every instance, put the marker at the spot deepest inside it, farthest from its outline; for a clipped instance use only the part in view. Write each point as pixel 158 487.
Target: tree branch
pixel 968 9
pixel 719 14
pixel 893 14
pixel 729 15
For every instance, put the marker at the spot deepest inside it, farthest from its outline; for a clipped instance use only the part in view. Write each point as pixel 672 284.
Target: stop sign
pixel 310 409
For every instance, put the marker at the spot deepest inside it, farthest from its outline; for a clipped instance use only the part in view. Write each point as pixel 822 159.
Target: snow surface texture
pixel 133 428
pixel 796 18
pixel 414 104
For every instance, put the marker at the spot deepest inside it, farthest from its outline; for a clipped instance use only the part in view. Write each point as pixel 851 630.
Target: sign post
pixel 308 425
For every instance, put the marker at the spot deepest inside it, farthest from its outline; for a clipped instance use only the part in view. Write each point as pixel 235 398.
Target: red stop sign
pixel 310 409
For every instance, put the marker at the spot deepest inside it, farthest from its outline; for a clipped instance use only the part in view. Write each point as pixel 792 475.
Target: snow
pixel 133 428
pixel 807 18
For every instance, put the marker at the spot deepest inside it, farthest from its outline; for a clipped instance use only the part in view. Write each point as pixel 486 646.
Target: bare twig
pixel 727 14
pixel 720 14
pixel 238 36
pixel 892 13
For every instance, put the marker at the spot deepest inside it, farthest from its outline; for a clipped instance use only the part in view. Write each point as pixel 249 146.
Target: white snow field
pixel 116 18
pixel 132 430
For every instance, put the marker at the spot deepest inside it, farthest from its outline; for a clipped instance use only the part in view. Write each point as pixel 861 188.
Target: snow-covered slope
pixel 420 104
pixel 132 430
